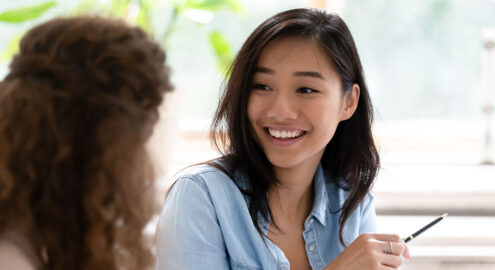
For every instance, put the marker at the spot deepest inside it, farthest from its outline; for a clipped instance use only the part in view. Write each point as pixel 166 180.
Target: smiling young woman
pixel 292 187
pixel 292 85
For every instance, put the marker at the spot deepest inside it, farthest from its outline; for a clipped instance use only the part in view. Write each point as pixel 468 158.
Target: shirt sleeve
pixel 368 216
pixel 188 234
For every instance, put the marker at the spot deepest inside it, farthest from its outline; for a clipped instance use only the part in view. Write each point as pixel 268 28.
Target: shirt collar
pixel 320 206
pixel 321 202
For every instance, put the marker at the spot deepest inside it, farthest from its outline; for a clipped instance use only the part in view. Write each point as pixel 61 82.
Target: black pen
pixel 412 236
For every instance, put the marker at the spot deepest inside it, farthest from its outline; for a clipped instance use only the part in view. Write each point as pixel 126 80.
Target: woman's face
pixel 296 102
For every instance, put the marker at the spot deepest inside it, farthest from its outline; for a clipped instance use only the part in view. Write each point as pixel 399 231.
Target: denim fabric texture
pixel 205 224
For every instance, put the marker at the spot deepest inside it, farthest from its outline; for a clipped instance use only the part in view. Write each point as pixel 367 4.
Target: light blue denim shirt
pixel 205 224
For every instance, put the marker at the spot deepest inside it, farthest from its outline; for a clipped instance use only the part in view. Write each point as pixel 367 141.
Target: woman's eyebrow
pixel 264 70
pixel 313 74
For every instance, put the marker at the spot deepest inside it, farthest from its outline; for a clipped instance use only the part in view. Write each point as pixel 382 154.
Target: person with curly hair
pixel 76 110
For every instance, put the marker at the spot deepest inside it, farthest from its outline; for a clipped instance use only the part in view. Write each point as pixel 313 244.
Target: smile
pixel 284 136
pixel 285 133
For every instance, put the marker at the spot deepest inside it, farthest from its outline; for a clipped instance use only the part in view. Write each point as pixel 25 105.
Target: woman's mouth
pixel 284 136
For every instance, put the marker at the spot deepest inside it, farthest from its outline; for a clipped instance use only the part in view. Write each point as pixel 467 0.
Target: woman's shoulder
pixel 202 192
pixel 207 176
pixel 210 179
pixel 12 256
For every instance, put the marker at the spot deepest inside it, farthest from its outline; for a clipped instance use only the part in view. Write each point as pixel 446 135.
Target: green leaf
pixel 220 43
pixel 214 5
pixel 205 4
pixel 222 50
pixel 144 19
pixel 26 13
pixel 236 5
pixel 11 49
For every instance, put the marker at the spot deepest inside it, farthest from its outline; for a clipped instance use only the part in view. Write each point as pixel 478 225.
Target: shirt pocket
pixel 234 265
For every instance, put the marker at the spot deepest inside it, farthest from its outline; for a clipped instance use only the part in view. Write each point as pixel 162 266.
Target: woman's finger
pixel 406 254
pixel 393 248
pixel 392 252
pixel 393 238
pixel 386 267
pixel 391 260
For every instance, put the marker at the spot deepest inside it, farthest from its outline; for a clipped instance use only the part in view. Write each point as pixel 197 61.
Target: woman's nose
pixel 282 107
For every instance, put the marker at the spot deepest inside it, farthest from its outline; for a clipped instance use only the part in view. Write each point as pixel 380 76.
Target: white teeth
pixel 284 134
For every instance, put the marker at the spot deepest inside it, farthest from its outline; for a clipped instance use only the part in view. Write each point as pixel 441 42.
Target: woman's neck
pixel 293 197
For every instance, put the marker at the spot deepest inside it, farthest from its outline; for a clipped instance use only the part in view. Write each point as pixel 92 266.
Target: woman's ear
pixel 351 100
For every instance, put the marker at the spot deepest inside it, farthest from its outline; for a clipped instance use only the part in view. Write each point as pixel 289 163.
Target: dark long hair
pixel 76 110
pixel 350 157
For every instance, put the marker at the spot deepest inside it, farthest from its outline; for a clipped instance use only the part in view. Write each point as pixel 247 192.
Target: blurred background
pixel 430 68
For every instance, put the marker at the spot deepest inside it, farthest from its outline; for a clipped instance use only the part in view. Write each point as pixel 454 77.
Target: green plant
pixel 141 13
pixel 23 14
pixel 17 16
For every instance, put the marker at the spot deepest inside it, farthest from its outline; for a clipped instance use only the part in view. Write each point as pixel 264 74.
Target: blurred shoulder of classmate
pixel 76 109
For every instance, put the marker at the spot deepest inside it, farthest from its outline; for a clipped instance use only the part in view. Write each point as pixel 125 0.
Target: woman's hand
pixel 369 251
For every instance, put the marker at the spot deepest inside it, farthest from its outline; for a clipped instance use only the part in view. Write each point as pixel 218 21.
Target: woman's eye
pixel 306 90
pixel 262 87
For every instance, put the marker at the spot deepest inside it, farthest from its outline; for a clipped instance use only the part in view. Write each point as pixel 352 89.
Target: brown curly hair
pixel 76 111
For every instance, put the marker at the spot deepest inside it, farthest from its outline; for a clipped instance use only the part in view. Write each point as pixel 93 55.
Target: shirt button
pixel 311 220
pixel 283 268
pixel 311 247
